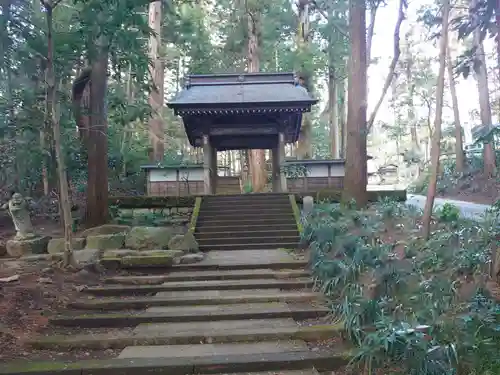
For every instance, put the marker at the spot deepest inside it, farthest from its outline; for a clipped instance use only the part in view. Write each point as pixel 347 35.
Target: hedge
pixel 190 201
pixel 335 195
pixel 152 202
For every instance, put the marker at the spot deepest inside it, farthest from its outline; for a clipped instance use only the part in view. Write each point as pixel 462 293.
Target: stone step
pixel 311 371
pixel 265 273
pixel 269 232
pixel 116 290
pixel 250 246
pixel 245 210
pixel 250 238
pixel 178 314
pixel 198 298
pixel 260 215
pixel 245 205
pixel 239 265
pixel 219 222
pixel 154 334
pixel 247 360
pixel 237 227
pixel 244 197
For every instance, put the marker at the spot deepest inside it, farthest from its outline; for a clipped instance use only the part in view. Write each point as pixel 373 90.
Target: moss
pixel 296 212
pixel 194 215
pixel 152 202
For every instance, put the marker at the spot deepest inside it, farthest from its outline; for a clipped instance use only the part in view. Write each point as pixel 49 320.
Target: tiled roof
pixel 242 89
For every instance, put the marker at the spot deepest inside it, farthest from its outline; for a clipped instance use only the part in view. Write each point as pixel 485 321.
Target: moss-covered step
pixel 251 246
pixel 300 283
pixel 266 273
pixel 114 259
pixel 179 314
pixel 208 265
pixel 244 361
pixel 200 298
pixel 191 333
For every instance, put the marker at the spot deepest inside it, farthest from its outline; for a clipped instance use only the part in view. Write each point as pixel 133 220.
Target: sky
pixel 382 48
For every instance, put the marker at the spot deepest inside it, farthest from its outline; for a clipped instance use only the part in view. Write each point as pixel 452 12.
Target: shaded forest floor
pixel 474 187
pixel 37 292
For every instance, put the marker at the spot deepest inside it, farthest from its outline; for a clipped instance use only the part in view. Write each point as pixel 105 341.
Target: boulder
pixel 106 229
pixel 185 242
pixel 34 245
pixel 106 241
pixel 149 238
pixel 56 245
pixel 86 257
pixel 191 258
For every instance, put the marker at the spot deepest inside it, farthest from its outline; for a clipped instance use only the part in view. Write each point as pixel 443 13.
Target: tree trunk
pixel 64 201
pixel 304 146
pixel 333 115
pixel 484 96
pixel 392 66
pixel 341 90
pixel 257 158
pixel 156 131
pixel 411 105
pixel 436 137
pixel 459 146
pixel 97 185
pixel 355 180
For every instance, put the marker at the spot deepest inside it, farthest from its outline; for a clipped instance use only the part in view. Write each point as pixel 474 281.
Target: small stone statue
pixel 18 208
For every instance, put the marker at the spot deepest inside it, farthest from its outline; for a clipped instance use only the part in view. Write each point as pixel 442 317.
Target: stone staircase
pixel 241 312
pixel 246 222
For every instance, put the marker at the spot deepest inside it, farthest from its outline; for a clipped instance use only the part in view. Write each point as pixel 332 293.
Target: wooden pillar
pixel 275 163
pixel 207 164
pixel 281 153
pixel 213 170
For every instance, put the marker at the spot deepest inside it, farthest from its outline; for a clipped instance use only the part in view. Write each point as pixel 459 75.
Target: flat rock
pixel 248 257
pixel 193 285
pixel 265 273
pixel 106 229
pixel 106 241
pixel 176 351
pixel 146 238
pixel 215 328
pixel 311 371
pixel 220 309
pixel 191 258
pixel 20 247
pixel 184 298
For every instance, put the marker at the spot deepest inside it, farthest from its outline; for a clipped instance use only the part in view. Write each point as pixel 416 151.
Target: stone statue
pixel 18 208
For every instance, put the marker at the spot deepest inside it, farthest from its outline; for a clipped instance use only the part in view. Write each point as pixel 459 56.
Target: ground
pixel 474 188
pixel 25 304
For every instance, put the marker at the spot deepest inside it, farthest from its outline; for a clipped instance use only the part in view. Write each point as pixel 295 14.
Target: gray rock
pixel 56 245
pixel 191 258
pixel 87 257
pixel 149 238
pixel 185 242
pixel 106 241
pixel 106 229
pixel 34 245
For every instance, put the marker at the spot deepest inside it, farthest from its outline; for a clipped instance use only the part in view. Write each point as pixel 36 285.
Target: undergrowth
pixel 413 306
